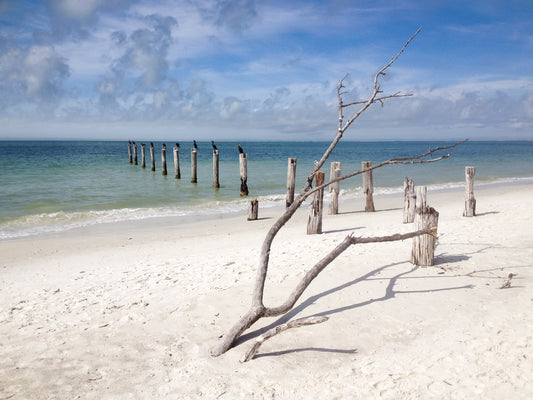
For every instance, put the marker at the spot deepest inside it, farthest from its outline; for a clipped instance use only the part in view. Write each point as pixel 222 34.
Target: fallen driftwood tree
pixel 258 309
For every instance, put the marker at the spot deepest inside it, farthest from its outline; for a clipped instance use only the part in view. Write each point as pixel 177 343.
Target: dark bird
pixel 177 145
pixel 133 142
pixel 151 144
pixel 164 146
pixel 214 145
pixel 194 144
pixel 129 141
pixel 241 151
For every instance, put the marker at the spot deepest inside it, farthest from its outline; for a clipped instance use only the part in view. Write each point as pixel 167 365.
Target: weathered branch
pixel 252 351
pixel 258 309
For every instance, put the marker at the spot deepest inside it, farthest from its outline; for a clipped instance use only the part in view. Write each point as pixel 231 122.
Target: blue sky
pixel 263 70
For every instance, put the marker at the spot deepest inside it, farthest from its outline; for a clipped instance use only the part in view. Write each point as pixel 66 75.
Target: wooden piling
pixel 194 166
pixel 314 222
pixel 143 155
pixel 423 250
pixel 129 153
pixel 409 201
pixel 291 181
pixel 152 157
pixel 164 158
pixel 368 186
pixel 253 210
pixel 470 201
pixel 335 173
pixel 243 167
pixel 216 182
pixel 177 172
pixel 135 154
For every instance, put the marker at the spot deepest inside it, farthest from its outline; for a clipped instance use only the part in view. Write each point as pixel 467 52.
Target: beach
pixel 129 310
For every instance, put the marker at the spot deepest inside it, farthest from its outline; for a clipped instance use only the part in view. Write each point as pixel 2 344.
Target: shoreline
pixel 239 207
pixel 132 309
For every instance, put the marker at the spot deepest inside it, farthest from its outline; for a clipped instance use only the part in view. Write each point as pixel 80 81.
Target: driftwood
pixel 152 157
pixel 409 201
pixel 135 154
pixel 216 182
pixel 164 159
pixel 253 210
pixel 194 165
pixel 291 181
pixel 176 153
pixel 368 186
pixel 423 251
pixel 335 172
pixel 243 170
pixel 252 351
pixel 314 222
pixel 130 157
pixel 470 201
pixel 258 309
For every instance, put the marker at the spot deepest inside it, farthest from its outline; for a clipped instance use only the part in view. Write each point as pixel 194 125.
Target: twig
pixel 507 283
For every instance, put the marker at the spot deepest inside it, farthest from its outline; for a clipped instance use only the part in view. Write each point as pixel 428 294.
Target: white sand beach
pixel 130 310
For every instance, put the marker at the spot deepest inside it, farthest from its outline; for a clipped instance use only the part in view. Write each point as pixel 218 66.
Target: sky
pixel 264 69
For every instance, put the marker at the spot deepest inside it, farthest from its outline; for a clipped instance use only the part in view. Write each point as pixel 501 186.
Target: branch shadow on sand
pixel 389 294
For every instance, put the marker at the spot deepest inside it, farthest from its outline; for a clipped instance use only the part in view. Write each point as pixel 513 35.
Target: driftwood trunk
pixel 216 183
pixel 130 157
pixel 135 154
pixel 177 172
pixel 164 159
pixel 194 166
pixel 335 172
pixel 291 181
pixel 243 168
pixel 423 251
pixel 253 210
pixel 314 222
pixel 368 186
pixel 409 201
pixel 152 156
pixel 470 201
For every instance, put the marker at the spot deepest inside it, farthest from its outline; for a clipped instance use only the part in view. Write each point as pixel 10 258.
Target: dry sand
pixel 130 310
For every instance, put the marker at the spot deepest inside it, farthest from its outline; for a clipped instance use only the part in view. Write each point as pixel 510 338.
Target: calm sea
pixel 48 186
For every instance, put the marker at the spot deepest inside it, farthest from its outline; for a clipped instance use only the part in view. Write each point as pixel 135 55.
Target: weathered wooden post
pixel 253 210
pixel 335 172
pixel 143 155
pixel 177 171
pixel 291 181
pixel 216 183
pixel 164 158
pixel 129 152
pixel 423 251
pixel 314 222
pixel 409 201
pixel 135 154
pixel 368 186
pixel 152 157
pixel 243 168
pixel 194 165
pixel 470 201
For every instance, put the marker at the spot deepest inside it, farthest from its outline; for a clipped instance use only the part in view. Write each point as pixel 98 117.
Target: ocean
pixel 52 186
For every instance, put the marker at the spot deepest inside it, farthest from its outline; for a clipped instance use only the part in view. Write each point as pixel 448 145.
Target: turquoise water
pixel 57 185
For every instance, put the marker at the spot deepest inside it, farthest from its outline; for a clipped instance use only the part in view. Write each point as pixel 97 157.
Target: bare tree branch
pixel 258 309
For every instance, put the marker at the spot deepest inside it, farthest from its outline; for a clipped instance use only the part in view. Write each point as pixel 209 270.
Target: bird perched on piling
pixel 241 151
pixel 214 145
pixel 164 146
pixel 194 144
pixel 151 144
pixel 177 145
